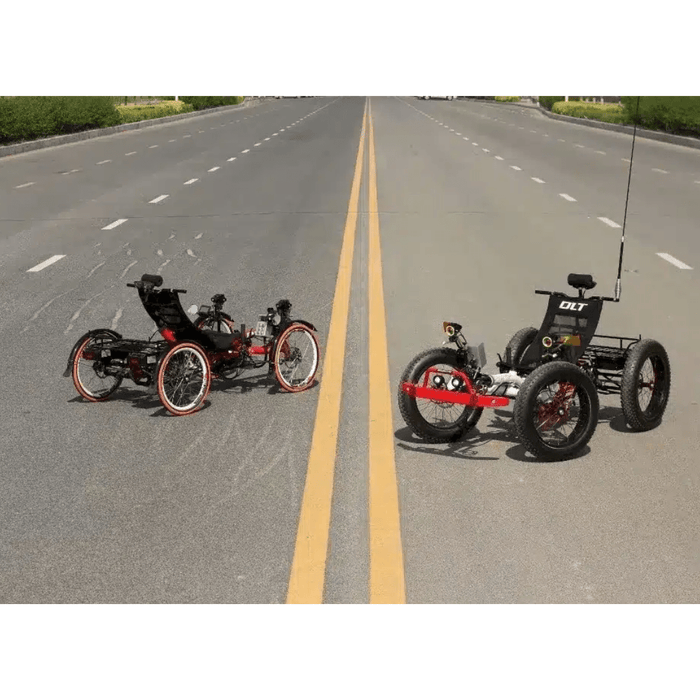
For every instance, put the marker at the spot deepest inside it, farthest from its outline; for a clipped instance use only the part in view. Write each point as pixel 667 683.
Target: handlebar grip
pixel 541 291
pixel 130 284
pixel 180 291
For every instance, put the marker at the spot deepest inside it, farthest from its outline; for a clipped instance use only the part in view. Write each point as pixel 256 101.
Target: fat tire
pixel 524 406
pixel 162 365
pixel 409 409
pixel 518 344
pixel 636 418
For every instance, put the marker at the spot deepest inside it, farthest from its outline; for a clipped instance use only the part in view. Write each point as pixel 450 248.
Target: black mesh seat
pixel 221 341
pixel 581 281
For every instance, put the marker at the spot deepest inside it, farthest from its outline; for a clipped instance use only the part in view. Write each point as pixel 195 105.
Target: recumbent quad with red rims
pixel 183 363
pixel 553 374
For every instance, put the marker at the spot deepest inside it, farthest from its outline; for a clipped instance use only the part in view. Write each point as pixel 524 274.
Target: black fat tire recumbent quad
pixel 554 374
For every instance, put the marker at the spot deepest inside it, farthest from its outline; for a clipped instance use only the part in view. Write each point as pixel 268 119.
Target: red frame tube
pixel 469 398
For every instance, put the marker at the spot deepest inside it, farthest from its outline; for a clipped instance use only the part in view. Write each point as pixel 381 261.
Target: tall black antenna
pixel 618 283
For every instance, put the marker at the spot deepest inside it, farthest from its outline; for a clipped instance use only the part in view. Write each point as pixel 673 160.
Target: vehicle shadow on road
pixel 143 399
pixel 615 418
pixel 501 428
pixel 244 385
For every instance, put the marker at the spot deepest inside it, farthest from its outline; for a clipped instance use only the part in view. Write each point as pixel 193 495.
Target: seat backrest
pixel 565 316
pixel 163 306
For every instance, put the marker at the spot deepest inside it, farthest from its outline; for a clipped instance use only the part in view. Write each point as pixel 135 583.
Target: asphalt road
pixel 120 502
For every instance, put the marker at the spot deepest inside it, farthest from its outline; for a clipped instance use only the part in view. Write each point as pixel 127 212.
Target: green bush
pixel 507 99
pixel 204 102
pixel 24 118
pixel 547 102
pixel 611 113
pixel 137 113
pixel 672 114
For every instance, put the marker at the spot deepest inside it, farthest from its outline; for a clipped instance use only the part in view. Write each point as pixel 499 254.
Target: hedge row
pixel 547 102
pixel 204 102
pixel 674 114
pixel 24 118
pixel 27 118
pixel 611 113
pixel 507 99
pixel 137 113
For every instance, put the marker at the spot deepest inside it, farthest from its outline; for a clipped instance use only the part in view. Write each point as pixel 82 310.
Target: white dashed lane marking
pixel 159 199
pixel 498 158
pixel 130 153
pixel 602 153
pixel 674 261
pixel 26 184
pixel 567 197
pixel 211 170
pixel 515 167
pixel 154 146
pixel 536 179
pixel 114 224
pixel 102 162
pixel 194 179
pixel 609 222
pixel 578 145
pixel 187 136
pixel 46 263
pixel 257 144
pixel 230 159
pixel 658 170
pixel 171 140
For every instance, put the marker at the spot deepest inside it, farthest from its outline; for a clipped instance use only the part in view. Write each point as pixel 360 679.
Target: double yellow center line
pixel 386 581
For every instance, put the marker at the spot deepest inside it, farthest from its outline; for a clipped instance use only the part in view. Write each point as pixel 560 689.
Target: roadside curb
pixel 110 130
pixel 688 141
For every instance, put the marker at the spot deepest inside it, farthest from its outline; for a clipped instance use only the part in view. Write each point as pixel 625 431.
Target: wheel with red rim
pixel 646 384
pixel 221 325
pixel 296 357
pixel 556 411
pixel 89 371
pixel 183 379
